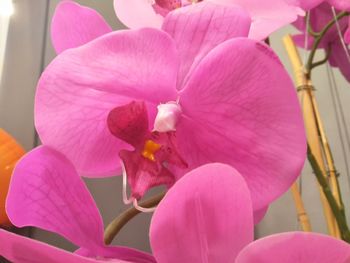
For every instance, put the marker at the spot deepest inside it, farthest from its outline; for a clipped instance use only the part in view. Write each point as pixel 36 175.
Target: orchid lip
pixel 133 200
pixel 155 153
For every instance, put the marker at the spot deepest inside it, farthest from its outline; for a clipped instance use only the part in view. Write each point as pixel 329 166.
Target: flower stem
pixel 337 211
pixel 318 38
pixel 120 221
pixel 322 61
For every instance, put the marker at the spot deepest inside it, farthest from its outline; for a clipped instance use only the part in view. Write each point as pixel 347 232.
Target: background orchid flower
pixel 319 17
pixel 266 18
pixel 73 25
pixel 47 192
pixel 343 5
pixel 305 4
pixel 238 105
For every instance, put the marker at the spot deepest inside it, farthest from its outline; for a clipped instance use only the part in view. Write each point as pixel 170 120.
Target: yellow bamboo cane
pixel 329 161
pixel 299 205
pixel 312 121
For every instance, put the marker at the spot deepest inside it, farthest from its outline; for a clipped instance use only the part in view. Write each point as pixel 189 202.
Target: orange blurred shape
pixel 10 153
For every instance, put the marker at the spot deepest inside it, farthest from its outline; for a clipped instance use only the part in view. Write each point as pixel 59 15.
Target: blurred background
pixel 25 50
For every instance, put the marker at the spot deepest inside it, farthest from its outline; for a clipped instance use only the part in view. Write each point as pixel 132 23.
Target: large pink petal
pixel 47 192
pixel 74 25
pixel 137 13
pixel 240 108
pixel 268 16
pixel 205 217
pixel 81 86
pixel 198 28
pixel 20 249
pixel 296 247
pixel 340 59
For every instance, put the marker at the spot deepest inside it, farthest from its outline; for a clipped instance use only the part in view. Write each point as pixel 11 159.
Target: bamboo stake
pixel 330 163
pixel 339 215
pixel 328 156
pixel 299 205
pixel 306 97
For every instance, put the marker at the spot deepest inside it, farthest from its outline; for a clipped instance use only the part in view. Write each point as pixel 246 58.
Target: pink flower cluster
pixel 198 104
pixel 334 41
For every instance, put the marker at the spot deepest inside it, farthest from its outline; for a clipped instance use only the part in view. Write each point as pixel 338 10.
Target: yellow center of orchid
pixel 150 149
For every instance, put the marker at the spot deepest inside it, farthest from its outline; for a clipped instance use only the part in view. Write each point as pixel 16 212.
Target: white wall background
pixel 29 50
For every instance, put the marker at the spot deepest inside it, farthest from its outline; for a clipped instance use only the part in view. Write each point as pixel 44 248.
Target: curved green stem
pixel 313 33
pixel 337 211
pixel 120 221
pixel 321 62
pixel 318 39
pixel 309 27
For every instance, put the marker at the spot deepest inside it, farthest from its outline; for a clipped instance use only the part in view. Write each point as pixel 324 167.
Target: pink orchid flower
pixel 206 217
pixel 319 17
pixel 266 17
pixel 305 4
pixel 46 192
pixel 228 97
pixel 342 5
